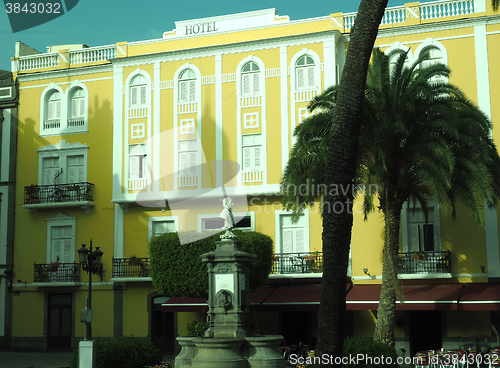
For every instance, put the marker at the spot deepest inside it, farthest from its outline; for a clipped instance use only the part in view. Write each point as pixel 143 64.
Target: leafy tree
pixel 418 135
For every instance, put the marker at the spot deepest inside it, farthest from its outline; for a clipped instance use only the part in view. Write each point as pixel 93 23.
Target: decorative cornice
pixel 437 26
pixel 72 72
pixel 63 145
pixel 226 49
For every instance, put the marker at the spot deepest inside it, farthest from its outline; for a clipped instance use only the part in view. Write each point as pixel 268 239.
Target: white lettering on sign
pixel 201 28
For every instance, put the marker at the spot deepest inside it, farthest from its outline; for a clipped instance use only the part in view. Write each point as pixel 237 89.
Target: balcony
pixel 57 272
pixel 58 195
pixel 297 263
pixel 130 267
pixel 432 262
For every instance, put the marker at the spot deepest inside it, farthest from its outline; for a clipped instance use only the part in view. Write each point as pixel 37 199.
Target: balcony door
pixel 162 327
pixel 59 322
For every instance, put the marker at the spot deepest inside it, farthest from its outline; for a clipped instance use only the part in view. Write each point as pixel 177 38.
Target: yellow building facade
pixel 124 142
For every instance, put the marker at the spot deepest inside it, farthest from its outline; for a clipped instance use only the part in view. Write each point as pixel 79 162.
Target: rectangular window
pixel 252 151
pixel 187 90
pixel 62 243
pixel 161 225
pixel 305 77
pixel 138 168
pixel 78 107
pixel 75 169
pixel 244 221
pixel 251 84
pixel 293 236
pixel 50 169
pixel 54 110
pixel 187 157
pixel 420 233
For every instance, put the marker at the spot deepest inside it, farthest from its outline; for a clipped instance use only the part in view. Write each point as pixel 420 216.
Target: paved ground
pixel 34 360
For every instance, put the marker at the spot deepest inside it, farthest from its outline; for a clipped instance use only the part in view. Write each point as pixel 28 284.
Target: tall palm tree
pixel 495 4
pixel 418 134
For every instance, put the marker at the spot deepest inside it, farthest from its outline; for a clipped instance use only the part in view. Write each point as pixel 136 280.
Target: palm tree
pixel 345 130
pixel 418 135
pixel 495 4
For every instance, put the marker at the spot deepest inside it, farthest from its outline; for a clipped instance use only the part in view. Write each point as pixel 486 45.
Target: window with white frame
pixel 77 104
pixel 252 152
pixel 138 167
pixel 54 106
pixel 294 236
pixel 138 91
pixel 305 72
pixel 250 79
pixel 213 222
pixel 61 238
pixel 187 86
pixel 418 234
pixel 394 57
pixel 187 157
pixel 434 56
pixel 63 163
pixel 161 225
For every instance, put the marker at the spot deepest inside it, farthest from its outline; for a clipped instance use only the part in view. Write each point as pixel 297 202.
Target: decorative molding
pixel 226 49
pixel 138 130
pixel 63 145
pixel 67 73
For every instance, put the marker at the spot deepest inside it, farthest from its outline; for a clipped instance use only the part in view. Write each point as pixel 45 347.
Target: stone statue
pixel 228 217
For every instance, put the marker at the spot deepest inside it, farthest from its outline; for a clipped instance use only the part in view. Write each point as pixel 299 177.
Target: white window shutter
pixel 74 107
pixel 182 91
pixel 246 84
pixel 287 241
pixel 133 96
pixel 192 163
pixel 256 80
pixel 143 95
pixel 182 163
pixel 192 90
pixel 66 254
pixel 247 158
pixel 310 76
pixel 58 109
pixel 300 244
pixel 82 107
pixel 257 157
pixel 300 77
pixel 56 249
pixel 50 112
pixel 134 167
pixel 413 238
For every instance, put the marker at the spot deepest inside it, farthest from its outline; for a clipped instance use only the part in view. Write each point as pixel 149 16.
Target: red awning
pixel 480 297
pixel 363 297
pixel 293 297
pixel 430 297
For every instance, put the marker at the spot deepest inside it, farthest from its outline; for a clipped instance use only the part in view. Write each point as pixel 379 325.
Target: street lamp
pixel 91 263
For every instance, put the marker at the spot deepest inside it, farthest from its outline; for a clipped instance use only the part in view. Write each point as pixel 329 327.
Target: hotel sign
pixel 200 28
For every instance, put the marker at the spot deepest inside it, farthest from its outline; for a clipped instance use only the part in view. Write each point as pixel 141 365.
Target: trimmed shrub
pixel 369 349
pixel 177 270
pixel 123 352
pixel 196 328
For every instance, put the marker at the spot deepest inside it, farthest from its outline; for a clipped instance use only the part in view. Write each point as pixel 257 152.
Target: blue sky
pixel 105 22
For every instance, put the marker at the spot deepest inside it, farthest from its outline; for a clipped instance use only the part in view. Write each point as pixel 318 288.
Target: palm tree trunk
pixel 386 315
pixel 340 171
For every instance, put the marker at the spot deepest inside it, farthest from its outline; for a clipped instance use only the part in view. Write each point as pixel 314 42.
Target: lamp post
pixel 91 262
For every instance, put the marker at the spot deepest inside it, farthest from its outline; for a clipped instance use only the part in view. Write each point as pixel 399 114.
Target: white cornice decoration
pixel 444 25
pixel 59 216
pixel 226 49
pixel 72 72
pixel 63 145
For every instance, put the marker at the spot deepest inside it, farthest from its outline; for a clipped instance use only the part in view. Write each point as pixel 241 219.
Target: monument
pixel 228 341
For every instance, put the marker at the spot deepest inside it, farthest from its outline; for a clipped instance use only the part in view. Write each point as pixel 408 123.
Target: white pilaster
pixel 117 132
pixel 155 159
pixel 479 6
pixel 329 62
pixel 285 139
pixel 483 100
pixel 118 232
pixel 218 121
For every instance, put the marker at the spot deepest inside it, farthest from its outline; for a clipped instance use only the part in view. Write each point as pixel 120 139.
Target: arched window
pixel 54 106
pixel 138 91
pixel 433 55
pixel 393 58
pixel 250 79
pixel 304 72
pixel 187 86
pixel 77 109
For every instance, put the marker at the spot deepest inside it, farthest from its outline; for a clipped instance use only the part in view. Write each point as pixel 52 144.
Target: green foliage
pixel 177 270
pixel 196 328
pixel 369 348
pixel 123 352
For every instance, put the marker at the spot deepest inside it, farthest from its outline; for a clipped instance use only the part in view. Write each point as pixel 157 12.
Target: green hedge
pixel 177 270
pixel 123 352
pixel 369 348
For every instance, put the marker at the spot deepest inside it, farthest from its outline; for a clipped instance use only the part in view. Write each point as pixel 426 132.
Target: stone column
pixel 228 281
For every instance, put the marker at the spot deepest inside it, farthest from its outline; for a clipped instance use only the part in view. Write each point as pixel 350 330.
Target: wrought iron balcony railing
pixel 131 267
pixel 425 262
pixel 58 193
pixel 57 272
pixel 309 262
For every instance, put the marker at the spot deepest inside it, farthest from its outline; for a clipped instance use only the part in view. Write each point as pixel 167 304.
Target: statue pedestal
pixel 225 344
